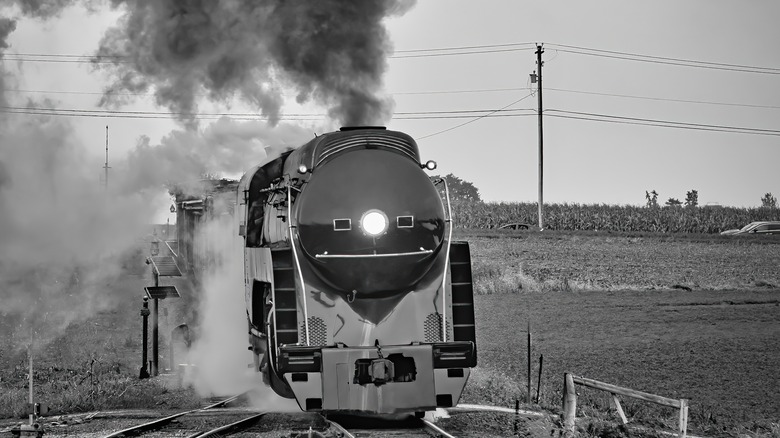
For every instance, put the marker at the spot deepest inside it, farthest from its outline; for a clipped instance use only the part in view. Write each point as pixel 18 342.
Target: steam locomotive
pixel 357 297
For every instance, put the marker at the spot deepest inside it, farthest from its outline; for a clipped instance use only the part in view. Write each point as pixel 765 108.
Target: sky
pixel 456 62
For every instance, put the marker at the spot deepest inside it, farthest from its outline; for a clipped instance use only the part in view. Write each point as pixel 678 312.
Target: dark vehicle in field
pixel 764 227
pixel 357 297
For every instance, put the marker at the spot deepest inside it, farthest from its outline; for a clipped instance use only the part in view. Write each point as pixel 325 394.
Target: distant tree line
pixel 674 217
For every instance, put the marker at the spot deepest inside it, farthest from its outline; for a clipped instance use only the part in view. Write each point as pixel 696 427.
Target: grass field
pixel 716 348
pixel 682 316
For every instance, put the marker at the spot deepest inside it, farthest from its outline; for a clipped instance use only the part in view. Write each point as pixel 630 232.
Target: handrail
pixel 446 264
pixel 297 262
pixel 171 249
pixel 357 256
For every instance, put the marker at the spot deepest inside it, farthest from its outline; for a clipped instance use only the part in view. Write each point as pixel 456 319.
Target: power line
pixel 483 90
pixel 659 123
pixel 455 114
pixel 664 58
pixel 66 59
pixel 449 51
pixel 429 115
pixel 653 60
pixel 745 105
pixel 485 46
pixel 470 52
pixel 474 91
pixel 475 119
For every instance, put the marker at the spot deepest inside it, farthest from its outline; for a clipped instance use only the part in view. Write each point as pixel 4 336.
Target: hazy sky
pixel 585 71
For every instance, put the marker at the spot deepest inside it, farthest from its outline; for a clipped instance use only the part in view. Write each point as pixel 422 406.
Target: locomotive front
pixel 358 299
pixel 370 222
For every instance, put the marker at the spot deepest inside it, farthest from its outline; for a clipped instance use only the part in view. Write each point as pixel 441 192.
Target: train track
pixel 218 420
pixel 230 421
pixel 412 427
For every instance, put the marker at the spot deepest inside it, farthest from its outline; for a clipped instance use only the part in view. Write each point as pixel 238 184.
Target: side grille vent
pixel 318 331
pixel 432 328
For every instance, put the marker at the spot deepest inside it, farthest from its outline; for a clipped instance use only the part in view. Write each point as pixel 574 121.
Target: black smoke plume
pixel 330 51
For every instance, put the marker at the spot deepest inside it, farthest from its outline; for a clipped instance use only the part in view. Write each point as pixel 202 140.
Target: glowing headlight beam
pixel 374 222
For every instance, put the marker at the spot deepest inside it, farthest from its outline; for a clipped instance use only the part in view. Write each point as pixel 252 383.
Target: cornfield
pixel 592 217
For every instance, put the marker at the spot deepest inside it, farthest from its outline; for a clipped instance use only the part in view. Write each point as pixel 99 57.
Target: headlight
pixel 374 222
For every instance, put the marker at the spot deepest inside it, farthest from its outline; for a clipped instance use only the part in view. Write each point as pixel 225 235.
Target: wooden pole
pixel 539 381
pixel 683 424
pixel 529 361
pixel 539 63
pixel 569 403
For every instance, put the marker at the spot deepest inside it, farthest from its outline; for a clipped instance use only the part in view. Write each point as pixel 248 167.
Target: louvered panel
pixel 387 142
pixel 166 266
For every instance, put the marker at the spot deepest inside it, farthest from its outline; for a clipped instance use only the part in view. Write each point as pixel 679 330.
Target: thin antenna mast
pixel 106 166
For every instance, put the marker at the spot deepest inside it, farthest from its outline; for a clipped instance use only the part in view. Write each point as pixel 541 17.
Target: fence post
pixel 569 403
pixel 683 431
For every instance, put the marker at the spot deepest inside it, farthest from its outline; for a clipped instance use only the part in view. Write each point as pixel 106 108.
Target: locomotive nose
pixel 370 221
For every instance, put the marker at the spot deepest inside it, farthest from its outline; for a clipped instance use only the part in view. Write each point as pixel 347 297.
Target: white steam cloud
pixel 62 236
pixel 220 352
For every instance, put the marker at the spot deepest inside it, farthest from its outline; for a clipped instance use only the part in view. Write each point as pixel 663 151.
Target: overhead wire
pixel 704 102
pixel 474 91
pixel 475 115
pixel 475 119
pixel 673 61
pixel 665 58
pixel 658 123
pixel 455 114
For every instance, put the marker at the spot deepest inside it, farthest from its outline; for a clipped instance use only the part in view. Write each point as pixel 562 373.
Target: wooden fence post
pixel 683 424
pixel 569 403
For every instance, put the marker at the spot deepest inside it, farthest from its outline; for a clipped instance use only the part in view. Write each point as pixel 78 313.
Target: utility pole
pixel 539 63
pixel 106 166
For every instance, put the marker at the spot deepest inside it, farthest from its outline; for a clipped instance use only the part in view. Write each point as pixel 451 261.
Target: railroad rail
pixel 407 428
pixel 162 422
pixel 231 428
